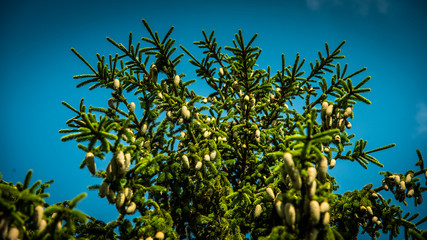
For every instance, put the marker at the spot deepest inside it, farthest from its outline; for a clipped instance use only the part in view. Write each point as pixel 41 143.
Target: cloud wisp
pixel 421 119
pixel 359 7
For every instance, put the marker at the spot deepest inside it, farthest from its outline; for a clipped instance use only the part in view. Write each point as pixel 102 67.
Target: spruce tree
pixel 242 162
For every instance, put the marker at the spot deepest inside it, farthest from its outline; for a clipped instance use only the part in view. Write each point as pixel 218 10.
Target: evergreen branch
pixel 33 188
pixel 420 162
pixel 151 33
pixel 168 34
pixel 372 160
pixel 87 82
pixel 252 40
pixel 108 135
pixel 324 62
pixel 84 60
pixel 329 132
pixel 119 46
pixel 28 178
pixel 415 235
pixel 413 217
pixel 380 148
pixel 189 54
pixel 73 136
pixel 361 98
pixel 84 76
pixel 77 199
pixel 365 80
pixel 151 42
pixel 358 72
pixel 69 130
pixel 423 220
pixel 361 90
pixel 70 107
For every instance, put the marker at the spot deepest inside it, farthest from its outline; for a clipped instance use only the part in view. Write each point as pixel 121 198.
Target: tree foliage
pixel 25 215
pixel 242 162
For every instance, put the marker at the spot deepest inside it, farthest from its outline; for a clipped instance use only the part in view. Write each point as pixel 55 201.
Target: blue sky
pixel 386 36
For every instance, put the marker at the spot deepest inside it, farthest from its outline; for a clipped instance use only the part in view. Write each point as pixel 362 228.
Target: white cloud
pixel 421 118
